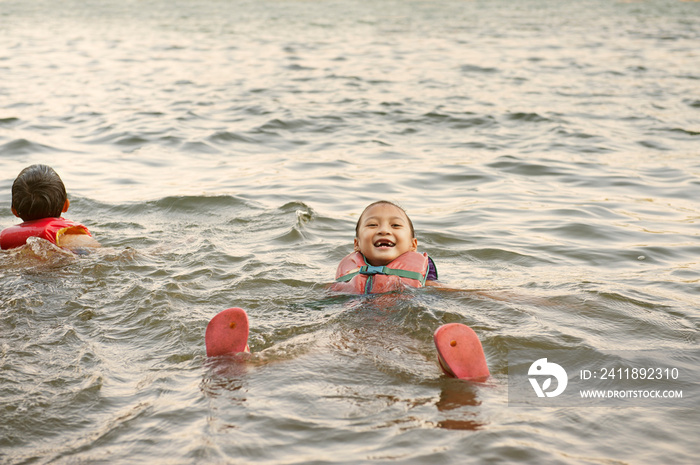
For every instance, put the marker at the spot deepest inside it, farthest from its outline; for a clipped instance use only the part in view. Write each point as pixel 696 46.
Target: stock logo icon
pixel 541 368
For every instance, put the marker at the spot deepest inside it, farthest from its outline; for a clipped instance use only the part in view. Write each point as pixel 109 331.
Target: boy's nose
pixel 383 229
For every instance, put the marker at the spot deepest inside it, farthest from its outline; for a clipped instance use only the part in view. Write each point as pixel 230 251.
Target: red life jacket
pixel 355 276
pixel 50 229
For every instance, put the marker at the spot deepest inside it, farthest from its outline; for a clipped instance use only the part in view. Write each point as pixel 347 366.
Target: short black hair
pixel 37 193
pixel 384 202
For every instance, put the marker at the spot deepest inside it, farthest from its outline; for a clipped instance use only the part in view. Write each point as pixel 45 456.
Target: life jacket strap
pixel 374 270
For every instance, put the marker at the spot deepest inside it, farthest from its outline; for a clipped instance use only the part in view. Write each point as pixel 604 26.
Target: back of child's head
pixel 37 193
pixel 384 202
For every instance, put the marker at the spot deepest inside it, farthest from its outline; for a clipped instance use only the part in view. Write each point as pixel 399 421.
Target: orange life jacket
pixel 50 229
pixel 355 276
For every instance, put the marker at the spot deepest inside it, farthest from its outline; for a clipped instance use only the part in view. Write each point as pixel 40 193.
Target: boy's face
pixel 384 234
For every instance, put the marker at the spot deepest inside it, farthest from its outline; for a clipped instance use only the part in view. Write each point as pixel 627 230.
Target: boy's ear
pixel 14 212
pixel 65 206
pixel 357 246
pixel 414 245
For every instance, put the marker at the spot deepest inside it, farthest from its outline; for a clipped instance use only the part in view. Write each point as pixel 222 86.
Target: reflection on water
pixel 460 396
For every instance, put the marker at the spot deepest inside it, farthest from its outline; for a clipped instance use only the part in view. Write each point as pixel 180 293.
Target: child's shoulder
pixel 56 230
pixel 432 270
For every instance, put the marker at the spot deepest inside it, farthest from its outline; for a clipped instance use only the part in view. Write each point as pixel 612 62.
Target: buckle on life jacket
pixel 385 270
pixel 371 270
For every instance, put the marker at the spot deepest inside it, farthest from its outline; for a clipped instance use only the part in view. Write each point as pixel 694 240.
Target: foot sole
pixel 460 352
pixel 227 333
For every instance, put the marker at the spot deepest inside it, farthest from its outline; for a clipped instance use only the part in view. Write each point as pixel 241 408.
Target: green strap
pixel 347 277
pixel 407 274
pixel 372 270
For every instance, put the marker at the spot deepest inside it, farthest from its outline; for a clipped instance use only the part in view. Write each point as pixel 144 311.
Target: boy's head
pixel 37 193
pixel 383 233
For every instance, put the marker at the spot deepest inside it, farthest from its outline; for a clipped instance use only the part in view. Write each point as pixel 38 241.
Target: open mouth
pixel 384 243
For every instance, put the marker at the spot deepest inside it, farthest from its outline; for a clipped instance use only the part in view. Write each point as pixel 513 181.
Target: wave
pixel 26 147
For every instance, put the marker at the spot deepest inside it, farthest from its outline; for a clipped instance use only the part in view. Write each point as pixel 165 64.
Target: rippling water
pixel 547 152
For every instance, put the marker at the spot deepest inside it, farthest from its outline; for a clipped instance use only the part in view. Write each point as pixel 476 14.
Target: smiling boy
pixel 385 256
pixel 383 233
pixel 385 259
